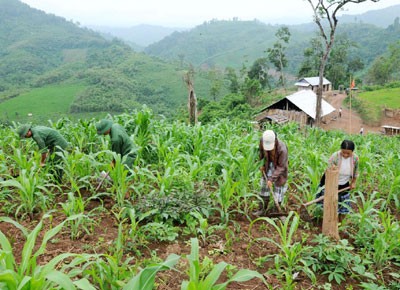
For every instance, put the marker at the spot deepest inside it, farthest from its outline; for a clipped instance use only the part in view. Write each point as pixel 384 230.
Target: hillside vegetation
pixel 232 71
pixel 233 43
pixel 46 51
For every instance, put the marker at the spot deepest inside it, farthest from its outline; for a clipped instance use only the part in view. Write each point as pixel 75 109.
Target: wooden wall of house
pixel 295 116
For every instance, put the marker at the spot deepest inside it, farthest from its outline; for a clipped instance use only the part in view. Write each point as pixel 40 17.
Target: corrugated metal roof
pixel 307 101
pixel 313 81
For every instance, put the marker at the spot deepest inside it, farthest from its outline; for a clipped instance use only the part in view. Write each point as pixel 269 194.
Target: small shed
pixel 312 84
pixel 299 107
pixel 391 130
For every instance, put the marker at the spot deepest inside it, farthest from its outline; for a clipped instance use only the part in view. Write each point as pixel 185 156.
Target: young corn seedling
pixel 145 279
pixel 28 273
pixel 208 281
pixel 291 258
pixel 31 195
pixel 82 223
pixel 119 176
pixel 225 194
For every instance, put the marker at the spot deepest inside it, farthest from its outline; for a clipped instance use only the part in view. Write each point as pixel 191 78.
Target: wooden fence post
pixel 330 219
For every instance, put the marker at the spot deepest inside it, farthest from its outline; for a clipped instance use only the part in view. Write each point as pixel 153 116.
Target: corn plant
pixel 119 176
pixel 135 233
pixel 394 193
pixel 145 279
pixel 291 258
pixel 31 193
pixel 28 274
pixel 77 168
pixel 198 280
pixel 82 223
pixel 107 272
pixel 365 219
pixel 387 241
pixel 226 194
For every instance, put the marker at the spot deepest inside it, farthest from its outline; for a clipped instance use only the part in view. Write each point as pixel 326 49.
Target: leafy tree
pixel 232 106
pixel 216 83
pixel 337 68
pixel 259 72
pixel 231 76
pixel 327 10
pixel 386 67
pixel 276 54
pixel 312 58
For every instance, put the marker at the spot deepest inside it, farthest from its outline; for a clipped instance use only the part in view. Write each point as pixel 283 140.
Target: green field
pixel 389 98
pixel 46 103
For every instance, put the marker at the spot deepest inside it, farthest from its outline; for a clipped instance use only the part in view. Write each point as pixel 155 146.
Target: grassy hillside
pixel 388 98
pixel 51 102
pixel 42 53
pixel 370 104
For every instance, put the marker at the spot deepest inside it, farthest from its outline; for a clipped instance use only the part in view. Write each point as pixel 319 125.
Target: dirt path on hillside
pixel 350 122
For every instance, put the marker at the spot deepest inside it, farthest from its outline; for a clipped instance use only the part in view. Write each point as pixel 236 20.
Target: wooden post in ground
pixel 330 219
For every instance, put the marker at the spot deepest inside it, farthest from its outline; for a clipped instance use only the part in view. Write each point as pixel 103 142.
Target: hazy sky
pixel 180 13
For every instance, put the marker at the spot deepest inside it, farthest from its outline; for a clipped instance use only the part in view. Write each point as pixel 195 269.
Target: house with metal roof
pixel 299 107
pixel 313 84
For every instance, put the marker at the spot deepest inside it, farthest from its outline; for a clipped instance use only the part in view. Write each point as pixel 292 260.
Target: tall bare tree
pixel 192 101
pixel 327 10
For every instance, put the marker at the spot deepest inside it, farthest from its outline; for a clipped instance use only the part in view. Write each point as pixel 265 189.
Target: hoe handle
pixel 322 197
pixel 101 182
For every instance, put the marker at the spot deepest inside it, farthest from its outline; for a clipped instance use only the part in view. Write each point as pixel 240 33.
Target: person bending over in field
pixel 121 143
pixel 347 162
pixel 274 171
pixel 50 142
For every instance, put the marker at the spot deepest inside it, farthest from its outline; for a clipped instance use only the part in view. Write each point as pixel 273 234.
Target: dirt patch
pixel 350 121
pixel 236 245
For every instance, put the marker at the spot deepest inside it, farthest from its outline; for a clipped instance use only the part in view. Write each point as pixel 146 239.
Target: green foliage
pixel 232 106
pixel 31 193
pixel 146 277
pixel 50 102
pixel 385 67
pixel 28 274
pixel 382 98
pixel 276 54
pixel 291 257
pixel 203 276
pixel 337 260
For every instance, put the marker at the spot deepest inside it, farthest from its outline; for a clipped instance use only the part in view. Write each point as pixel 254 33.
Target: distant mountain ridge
pixel 141 35
pixel 380 17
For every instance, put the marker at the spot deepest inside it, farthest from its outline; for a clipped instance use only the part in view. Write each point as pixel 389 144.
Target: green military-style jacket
pixel 122 144
pixel 48 139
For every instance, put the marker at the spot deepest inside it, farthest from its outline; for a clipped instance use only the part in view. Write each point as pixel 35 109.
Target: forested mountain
pixel 48 61
pixel 233 43
pixel 381 17
pixel 39 50
pixel 141 35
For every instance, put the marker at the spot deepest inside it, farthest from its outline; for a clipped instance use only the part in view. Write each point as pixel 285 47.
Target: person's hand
pixel 42 164
pixel 269 184
pixel 262 168
pixel 352 185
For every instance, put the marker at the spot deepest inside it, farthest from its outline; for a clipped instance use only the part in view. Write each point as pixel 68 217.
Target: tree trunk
pixel 192 107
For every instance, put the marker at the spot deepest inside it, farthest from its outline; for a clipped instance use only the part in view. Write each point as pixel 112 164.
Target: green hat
pixel 103 126
pixel 23 130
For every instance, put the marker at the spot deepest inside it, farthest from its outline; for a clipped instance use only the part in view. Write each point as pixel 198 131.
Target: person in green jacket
pixel 49 142
pixel 121 143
